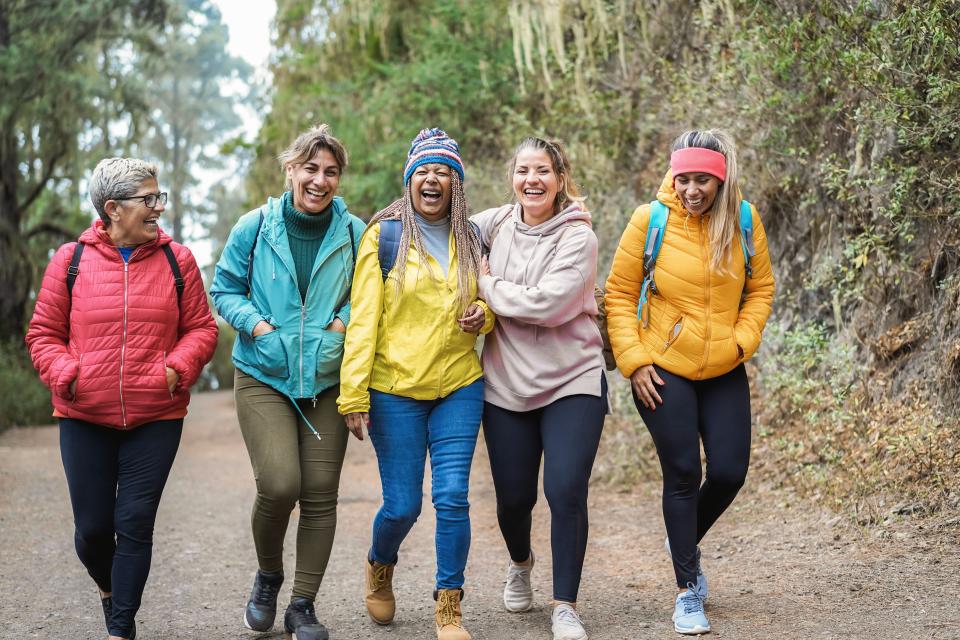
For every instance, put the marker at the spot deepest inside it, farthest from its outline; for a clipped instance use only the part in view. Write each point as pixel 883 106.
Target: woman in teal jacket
pixel 283 282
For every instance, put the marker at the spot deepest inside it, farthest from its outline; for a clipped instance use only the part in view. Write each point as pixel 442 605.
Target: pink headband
pixel 698 160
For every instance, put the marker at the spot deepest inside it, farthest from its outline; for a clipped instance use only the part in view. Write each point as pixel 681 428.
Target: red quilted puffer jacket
pixel 124 328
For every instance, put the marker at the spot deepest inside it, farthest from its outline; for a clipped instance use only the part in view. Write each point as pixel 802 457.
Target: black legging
pixel 115 479
pixel 718 411
pixel 566 433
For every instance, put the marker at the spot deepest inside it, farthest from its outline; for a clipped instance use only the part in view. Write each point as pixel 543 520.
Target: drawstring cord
pixel 309 426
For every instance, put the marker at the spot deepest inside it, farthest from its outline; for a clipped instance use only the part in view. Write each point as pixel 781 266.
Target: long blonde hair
pixel 724 224
pixel 465 239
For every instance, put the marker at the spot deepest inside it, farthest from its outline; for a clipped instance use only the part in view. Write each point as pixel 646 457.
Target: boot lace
pixel 446 608
pixel 378 577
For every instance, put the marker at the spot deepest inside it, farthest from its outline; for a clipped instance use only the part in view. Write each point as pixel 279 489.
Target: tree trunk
pixel 14 269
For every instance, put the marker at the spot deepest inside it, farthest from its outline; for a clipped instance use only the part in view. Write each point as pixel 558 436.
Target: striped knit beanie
pixel 433 145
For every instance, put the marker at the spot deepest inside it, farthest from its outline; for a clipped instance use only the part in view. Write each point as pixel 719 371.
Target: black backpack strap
pixel 353 246
pixel 353 266
pixel 253 247
pixel 175 268
pixel 74 269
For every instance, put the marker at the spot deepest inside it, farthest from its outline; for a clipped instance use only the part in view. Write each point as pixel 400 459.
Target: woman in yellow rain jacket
pixel 684 349
pixel 410 372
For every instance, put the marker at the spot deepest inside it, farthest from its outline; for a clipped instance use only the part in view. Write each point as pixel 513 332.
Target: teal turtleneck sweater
pixel 305 234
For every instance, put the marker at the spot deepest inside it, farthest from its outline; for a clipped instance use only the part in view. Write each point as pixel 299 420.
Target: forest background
pixel 846 113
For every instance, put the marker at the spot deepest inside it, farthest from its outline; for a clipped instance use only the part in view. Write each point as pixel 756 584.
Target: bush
pixel 23 398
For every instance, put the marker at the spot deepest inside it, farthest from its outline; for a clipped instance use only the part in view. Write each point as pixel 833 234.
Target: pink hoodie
pixel 546 344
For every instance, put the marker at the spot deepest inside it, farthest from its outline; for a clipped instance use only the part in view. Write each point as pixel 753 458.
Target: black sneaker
pixel 300 621
pixel 262 607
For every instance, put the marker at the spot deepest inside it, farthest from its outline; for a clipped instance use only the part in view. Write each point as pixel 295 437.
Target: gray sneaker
pixel 517 592
pixel 701 586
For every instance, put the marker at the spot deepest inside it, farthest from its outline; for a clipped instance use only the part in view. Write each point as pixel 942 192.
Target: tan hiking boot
pixel 449 618
pixel 381 605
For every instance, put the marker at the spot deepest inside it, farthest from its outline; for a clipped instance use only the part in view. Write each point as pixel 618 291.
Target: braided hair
pixel 465 240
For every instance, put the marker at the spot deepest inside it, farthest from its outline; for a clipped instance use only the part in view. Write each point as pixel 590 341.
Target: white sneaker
pixel 567 624
pixel 517 593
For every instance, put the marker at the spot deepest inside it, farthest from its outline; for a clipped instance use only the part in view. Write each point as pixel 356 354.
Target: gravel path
pixel 776 569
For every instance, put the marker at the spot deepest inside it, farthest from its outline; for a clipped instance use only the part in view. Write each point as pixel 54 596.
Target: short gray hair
pixel 118 178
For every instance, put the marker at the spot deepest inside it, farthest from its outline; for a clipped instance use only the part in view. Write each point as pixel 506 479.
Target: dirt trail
pixel 776 569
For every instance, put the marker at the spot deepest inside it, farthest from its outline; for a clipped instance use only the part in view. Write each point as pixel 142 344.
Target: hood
pixel 96 235
pixel 668 195
pixel 572 213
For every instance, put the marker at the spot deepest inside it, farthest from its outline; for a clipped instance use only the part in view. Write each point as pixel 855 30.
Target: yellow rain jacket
pixel 697 319
pixel 408 345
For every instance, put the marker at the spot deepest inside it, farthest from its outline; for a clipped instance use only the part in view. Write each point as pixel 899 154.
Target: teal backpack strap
pixel 651 249
pixel 746 236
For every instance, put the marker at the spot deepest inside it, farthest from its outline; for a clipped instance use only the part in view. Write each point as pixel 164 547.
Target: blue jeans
pixel 402 431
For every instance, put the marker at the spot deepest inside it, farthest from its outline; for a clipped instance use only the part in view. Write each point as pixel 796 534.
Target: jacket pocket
pixel 674 333
pixel 163 370
pixel 76 388
pixel 271 354
pixel 329 353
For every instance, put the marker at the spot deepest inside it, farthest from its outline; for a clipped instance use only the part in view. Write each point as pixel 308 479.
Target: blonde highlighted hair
pixel 724 225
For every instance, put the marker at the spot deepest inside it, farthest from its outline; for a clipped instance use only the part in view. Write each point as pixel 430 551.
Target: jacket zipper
pixel 674 334
pixel 706 273
pixel 123 344
pixel 303 314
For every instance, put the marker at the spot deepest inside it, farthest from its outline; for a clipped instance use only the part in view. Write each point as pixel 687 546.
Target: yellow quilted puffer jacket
pixel 698 318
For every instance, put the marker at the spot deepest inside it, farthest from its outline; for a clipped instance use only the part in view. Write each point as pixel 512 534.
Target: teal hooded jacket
pixel 300 359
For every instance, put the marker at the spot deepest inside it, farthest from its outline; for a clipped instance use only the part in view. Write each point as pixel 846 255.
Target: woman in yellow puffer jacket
pixel 684 352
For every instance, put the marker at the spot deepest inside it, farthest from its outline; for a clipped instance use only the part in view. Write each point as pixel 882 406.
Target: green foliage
pixel 807 373
pixel 382 79
pixel 23 398
pixel 218 374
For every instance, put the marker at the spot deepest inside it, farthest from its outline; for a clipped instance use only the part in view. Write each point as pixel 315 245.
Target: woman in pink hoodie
pixel 545 389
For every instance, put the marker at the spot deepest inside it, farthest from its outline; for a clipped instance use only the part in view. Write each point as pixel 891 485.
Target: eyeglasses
pixel 151 199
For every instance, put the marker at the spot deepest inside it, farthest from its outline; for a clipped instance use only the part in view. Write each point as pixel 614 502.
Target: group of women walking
pixel 371 329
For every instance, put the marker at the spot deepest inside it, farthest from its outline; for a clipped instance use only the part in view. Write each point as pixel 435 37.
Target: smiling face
pixel 536 184
pixel 697 191
pixel 133 223
pixel 430 189
pixel 314 182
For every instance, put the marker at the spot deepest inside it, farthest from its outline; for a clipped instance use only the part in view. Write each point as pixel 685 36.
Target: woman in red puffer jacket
pixel 120 332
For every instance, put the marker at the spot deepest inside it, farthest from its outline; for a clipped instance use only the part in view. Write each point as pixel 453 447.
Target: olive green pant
pixel 290 464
